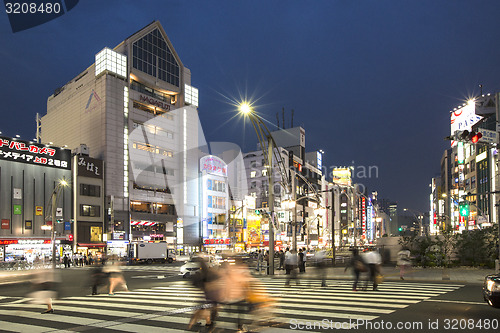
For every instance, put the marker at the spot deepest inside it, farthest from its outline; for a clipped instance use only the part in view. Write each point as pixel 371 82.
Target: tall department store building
pixel 135 109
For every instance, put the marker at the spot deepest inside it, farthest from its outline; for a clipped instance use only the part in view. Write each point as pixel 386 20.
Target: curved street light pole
pixel 53 197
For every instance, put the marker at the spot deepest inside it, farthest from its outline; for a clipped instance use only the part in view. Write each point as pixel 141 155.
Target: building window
pixel 219 186
pixel 264 172
pixel 152 149
pixel 155 130
pixel 253 164
pixel 151 55
pixel 216 202
pixel 90 190
pixel 253 174
pixel 253 185
pixel 90 210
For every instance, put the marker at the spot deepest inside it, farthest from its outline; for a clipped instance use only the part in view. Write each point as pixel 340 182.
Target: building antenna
pixel 283 112
pixel 278 119
pixel 292 117
pixel 480 90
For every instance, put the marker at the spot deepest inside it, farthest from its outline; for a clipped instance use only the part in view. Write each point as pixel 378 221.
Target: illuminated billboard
pixel 342 176
pixel 463 118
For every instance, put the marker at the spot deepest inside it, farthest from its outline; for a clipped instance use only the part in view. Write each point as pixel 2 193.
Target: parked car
pixel 491 290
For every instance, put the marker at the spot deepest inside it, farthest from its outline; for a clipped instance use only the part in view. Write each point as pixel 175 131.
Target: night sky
pixel 372 82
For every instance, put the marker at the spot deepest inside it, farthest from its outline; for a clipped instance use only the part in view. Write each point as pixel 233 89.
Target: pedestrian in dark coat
pixel 302 262
pixel 358 266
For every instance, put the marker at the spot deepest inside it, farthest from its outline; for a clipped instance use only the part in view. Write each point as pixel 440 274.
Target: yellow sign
pixel 95 234
pixel 39 211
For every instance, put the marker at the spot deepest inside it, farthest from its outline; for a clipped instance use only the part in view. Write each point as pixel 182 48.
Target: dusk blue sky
pixel 372 82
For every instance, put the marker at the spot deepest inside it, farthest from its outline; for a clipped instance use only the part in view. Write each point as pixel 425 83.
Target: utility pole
pixel 333 225
pixel 270 151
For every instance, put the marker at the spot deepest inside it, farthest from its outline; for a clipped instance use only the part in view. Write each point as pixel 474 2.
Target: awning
pixel 144 223
pixel 92 244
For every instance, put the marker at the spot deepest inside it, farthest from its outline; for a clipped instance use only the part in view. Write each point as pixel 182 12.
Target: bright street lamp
pixel 267 145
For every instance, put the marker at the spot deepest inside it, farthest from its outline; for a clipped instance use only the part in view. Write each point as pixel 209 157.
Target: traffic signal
pixel 474 137
pixel 466 136
pixel 464 209
pixel 400 229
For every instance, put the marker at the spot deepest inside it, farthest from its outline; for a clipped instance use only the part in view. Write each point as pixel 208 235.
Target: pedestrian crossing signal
pixel 464 209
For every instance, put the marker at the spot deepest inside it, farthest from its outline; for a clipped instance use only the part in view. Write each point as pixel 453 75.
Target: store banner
pixel 18 193
pixel 5 224
pixel 39 211
pixel 28 225
pixel 17 210
pixel 67 226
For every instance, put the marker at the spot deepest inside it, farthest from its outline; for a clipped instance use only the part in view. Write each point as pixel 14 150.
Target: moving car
pixel 192 265
pixel 491 290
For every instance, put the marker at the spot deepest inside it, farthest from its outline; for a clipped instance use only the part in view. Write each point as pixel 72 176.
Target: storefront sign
pixel 119 235
pixel 28 225
pixel 34 153
pixel 59 211
pixel 216 241
pixel 18 193
pixel 155 102
pixel 67 226
pixel 213 165
pixel 24 241
pixel 39 211
pixel 17 210
pixel 90 167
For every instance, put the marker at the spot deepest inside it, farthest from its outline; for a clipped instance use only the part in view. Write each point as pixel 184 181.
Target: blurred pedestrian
pixel 404 262
pixel 320 262
pixel 66 261
pixel 97 278
pixel 302 261
pixel 373 260
pixel 282 260
pixel 235 279
pixel 287 261
pixel 207 279
pixel 358 266
pixel 44 288
pixel 260 260
pixel 112 268
pixel 292 264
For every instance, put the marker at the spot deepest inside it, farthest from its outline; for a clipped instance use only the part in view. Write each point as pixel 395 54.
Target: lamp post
pixel 263 135
pixel 419 218
pixel 53 198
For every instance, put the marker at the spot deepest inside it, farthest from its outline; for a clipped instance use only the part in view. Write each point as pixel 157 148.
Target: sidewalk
pixel 468 275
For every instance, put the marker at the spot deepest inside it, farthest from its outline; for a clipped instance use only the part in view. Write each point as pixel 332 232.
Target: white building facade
pixel 135 109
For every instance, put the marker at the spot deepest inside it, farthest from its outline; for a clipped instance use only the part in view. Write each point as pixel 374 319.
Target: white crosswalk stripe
pixel 168 308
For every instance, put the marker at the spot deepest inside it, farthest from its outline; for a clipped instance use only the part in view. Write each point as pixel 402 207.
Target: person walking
pixel 358 266
pixel 404 262
pixel 302 261
pixel 292 264
pixel 112 268
pixel 260 260
pixel 44 286
pixel 282 260
pixel 288 259
pixel 373 260
pixel 207 279
pixel 66 261
pixel 320 261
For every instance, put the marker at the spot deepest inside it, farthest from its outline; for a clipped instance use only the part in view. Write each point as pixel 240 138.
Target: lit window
pixel 151 55
pixel 109 60
pixel 253 174
pixel 191 95
pixel 264 172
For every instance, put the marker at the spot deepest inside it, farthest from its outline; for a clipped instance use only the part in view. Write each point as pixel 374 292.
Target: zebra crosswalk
pixel 168 308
